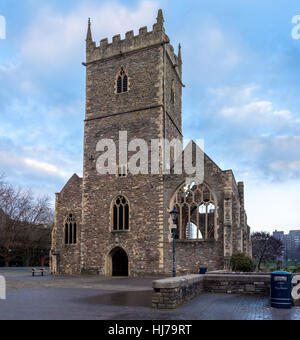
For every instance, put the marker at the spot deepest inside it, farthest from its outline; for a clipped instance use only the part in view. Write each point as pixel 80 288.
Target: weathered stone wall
pixel 68 201
pixel 140 112
pixel 146 111
pixel 241 283
pixel 171 293
pixel 144 194
pixel 172 78
pixel 238 284
pixel 191 255
pixel 144 69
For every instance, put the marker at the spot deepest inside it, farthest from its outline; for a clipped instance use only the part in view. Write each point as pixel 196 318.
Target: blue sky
pixel 242 77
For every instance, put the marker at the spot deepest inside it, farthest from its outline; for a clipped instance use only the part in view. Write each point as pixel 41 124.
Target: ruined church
pixel 119 224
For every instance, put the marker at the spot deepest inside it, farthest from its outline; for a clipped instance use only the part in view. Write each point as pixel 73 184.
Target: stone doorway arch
pixel 117 264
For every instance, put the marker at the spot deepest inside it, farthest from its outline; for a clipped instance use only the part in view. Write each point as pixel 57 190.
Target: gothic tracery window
pixel 122 81
pixel 70 230
pixel 197 212
pixel 120 214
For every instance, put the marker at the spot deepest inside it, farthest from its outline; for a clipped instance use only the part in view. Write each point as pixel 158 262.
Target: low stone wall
pixel 241 283
pixel 171 293
pixel 238 284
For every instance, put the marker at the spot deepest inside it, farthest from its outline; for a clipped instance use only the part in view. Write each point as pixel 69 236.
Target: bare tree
pixel 265 248
pixel 21 213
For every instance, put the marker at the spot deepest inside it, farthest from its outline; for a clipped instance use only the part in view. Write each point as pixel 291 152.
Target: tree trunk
pixel 259 264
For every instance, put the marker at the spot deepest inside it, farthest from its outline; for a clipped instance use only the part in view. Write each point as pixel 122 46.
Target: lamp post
pixel 174 214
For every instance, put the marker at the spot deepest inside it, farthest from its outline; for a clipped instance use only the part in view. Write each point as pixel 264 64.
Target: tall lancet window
pixel 120 214
pixel 122 81
pixel 70 230
pixel 172 92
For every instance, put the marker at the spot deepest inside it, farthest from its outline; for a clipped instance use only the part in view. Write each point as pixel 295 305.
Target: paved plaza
pixel 102 298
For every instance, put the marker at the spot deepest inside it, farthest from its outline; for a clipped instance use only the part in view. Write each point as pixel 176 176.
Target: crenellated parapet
pixel 131 43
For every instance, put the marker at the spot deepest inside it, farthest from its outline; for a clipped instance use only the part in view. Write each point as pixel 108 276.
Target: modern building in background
pixel 291 243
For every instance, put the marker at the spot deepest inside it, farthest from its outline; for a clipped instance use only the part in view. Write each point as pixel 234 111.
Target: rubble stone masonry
pixel 151 108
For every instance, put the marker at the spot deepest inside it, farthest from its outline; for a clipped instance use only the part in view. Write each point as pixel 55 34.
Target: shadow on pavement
pixel 129 299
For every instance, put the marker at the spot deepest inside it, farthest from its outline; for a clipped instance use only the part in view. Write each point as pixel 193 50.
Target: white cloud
pixel 273 206
pixel 56 37
pixel 285 114
pixel 256 110
pixel 259 107
pixel 286 166
pixel 45 168
pixel 243 104
pixel 14 162
pixel 8 68
pixel 237 95
pixel 254 145
pixel 277 153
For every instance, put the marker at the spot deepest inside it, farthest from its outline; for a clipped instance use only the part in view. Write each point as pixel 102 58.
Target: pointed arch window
pixel 120 214
pixel 70 230
pixel 197 212
pixel 122 81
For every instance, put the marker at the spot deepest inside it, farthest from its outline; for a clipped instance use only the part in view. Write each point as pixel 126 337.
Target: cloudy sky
pixel 242 76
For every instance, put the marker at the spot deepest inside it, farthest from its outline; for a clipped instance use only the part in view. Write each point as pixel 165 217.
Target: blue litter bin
pixel 281 290
pixel 203 271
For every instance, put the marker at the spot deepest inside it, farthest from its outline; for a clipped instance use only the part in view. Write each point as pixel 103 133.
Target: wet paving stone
pixel 131 299
pixel 100 298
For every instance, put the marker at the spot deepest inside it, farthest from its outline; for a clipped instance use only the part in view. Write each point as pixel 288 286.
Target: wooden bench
pixel 38 271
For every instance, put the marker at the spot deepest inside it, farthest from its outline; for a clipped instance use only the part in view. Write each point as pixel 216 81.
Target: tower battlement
pixel 131 43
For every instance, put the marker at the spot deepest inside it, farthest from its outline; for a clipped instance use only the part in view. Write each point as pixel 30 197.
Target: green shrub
pixel 296 269
pixel 241 263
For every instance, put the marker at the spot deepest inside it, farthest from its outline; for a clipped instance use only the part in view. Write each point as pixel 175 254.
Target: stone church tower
pixel 119 223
